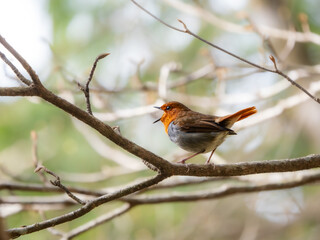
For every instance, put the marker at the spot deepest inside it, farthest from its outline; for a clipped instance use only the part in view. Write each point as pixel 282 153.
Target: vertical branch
pixel 85 89
pixel 35 159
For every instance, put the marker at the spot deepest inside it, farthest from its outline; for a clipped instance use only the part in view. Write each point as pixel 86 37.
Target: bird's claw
pixel 183 161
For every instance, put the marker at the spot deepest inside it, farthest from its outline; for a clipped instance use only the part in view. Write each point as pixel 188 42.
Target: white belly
pixel 196 142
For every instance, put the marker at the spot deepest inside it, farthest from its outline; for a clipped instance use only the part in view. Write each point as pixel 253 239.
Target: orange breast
pixel 167 118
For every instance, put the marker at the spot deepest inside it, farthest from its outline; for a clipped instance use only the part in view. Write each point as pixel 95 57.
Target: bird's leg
pixel 193 155
pixel 208 161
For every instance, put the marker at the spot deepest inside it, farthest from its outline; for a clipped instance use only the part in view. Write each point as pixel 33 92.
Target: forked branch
pixel 85 89
pixel 186 30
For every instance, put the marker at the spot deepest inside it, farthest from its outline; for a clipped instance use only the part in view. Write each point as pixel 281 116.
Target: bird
pixel 196 132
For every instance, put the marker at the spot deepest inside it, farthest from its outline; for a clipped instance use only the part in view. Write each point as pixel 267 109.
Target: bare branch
pixel 103 128
pixel 158 19
pixel 186 30
pixel 59 184
pixel 247 186
pixel 253 64
pixel 24 63
pixel 18 91
pixel 158 199
pixel 15 70
pixel 16 232
pixel 243 168
pixel 224 191
pixel 274 62
pixel 85 89
pixel 164 168
pixel 291 81
pixel 246 168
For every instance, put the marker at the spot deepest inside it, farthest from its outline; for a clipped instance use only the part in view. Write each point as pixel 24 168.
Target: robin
pixel 196 132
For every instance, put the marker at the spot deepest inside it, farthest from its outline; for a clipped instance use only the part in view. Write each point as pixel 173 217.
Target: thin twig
pixel 17 232
pixel 246 186
pixel 24 63
pixel 175 182
pixel 291 81
pixel 85 89
pixel 224 191
pixel 186 30
pixel 59 184
pixel 158 19
pixel 253 64
pixel 15 70
pixel 222 49
pixel 167 168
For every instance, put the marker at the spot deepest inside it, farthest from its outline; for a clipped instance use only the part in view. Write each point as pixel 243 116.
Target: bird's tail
pixel 242 114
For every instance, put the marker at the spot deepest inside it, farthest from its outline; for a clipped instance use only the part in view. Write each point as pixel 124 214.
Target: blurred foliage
pixel 84 29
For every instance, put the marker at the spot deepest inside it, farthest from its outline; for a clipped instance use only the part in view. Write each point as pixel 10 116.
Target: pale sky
pixel 28 29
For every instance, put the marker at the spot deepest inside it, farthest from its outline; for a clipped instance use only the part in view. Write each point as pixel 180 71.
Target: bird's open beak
pixel 159 118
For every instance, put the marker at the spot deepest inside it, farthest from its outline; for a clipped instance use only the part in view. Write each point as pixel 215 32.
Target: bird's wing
pixel 204 125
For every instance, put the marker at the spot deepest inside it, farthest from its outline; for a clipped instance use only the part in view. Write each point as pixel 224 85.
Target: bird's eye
pixel 168 108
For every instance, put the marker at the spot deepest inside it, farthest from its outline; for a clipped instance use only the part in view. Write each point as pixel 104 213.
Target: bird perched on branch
pixel 196 132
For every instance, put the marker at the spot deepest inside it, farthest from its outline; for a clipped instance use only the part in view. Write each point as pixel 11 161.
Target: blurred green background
pixel 61 39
